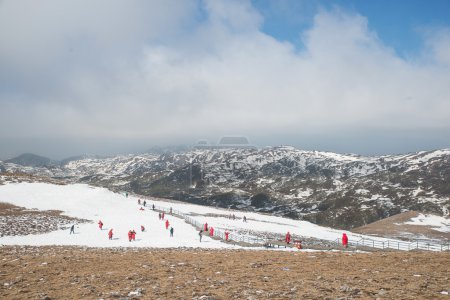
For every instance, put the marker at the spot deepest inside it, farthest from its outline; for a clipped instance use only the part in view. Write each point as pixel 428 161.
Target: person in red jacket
pixel 211 231
pixel 288 237
pixel 167 224
pixel 100 224
pixel 130 235
pixel 344 240
pixel 110 234
pixel 226 236
pixel 205 227
pixel 162 216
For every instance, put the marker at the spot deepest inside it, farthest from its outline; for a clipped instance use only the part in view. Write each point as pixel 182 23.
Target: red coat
pixel 226 235
pixel 205 228
pixel 344 239
pixel 130 235
pixel 110 233
pixel 100 224
pixel 167 224
pixel 211 231
pixel 288 238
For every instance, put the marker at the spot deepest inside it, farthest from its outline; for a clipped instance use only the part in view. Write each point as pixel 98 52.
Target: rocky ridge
pixel 338 190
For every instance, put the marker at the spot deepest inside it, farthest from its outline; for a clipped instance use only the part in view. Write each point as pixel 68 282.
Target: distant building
pixel 226 142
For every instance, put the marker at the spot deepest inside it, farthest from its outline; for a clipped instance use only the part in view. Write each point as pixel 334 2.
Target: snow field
pixel 124 214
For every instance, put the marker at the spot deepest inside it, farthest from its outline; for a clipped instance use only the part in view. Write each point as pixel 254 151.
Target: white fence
pixel 362 243
pixel 398 245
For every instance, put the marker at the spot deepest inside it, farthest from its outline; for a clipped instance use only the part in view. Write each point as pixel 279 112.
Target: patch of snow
pixel 436 222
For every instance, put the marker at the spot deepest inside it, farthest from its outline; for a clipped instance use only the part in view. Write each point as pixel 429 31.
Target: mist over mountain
pixel 31 160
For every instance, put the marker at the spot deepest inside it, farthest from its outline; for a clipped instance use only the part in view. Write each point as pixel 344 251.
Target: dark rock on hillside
pixel 343 191
pixel 30 160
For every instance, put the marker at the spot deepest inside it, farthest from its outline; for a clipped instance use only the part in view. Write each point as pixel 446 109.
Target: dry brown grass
pixel 80 273
pixel 390 227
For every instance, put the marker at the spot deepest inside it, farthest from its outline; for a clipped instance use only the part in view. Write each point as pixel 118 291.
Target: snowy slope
pixel 123 214
pixel 95 204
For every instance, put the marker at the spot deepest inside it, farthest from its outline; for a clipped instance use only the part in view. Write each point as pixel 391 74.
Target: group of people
pixel 211 232
pixel 233 217
pixel 143 203
pixel 131 235
pixel 206 228
pixel 211 229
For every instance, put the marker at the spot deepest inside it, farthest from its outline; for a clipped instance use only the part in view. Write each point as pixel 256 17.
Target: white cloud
pixel 179 68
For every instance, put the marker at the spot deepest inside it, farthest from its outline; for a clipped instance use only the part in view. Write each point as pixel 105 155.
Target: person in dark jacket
pixel 171 231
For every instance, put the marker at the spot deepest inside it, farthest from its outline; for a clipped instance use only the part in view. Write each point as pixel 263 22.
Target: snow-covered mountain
pixel 337 190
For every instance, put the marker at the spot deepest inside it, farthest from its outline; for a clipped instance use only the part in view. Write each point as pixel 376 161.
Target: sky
pixel 105 77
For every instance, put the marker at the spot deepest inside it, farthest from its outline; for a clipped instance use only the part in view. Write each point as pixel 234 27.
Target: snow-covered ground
pixel 436 222
pixel 122 214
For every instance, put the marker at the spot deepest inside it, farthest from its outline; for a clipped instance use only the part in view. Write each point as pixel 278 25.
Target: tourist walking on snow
pixel 142 228
pixel 200 234
pixel 145 203
pixel 162 216
pixel 72 229
pixel 133 235
pixel 153 206
pixel 167 224
pixel 110 234
pixel 130 235
pixel 245 219
pixel 205 227
pixel 139 201
pixel 288 237
pixel 100 224
pixel 211 231
pixel 226 236
pixel 171 231
pixel 344 240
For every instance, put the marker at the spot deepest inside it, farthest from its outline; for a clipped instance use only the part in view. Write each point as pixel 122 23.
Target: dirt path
pixel 86 273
